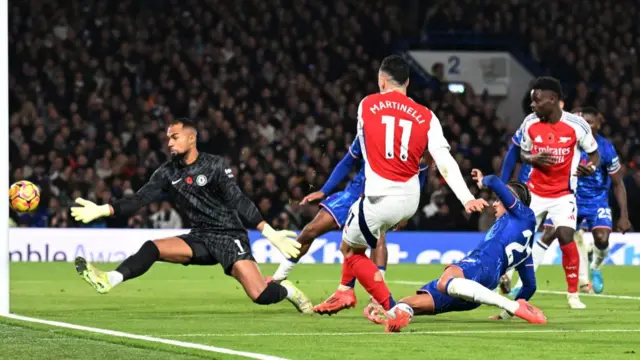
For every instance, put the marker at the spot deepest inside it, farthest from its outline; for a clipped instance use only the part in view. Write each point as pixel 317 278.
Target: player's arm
pixel 528 276
pixel 343 168
pixel 448 167
pixel 233 197
pixel 619 191
pixel 126 206
pixel 588 143
pixel 496 185
pixel 509 163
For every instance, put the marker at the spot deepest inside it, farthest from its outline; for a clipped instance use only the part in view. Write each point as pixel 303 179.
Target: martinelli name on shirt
pixel 381 105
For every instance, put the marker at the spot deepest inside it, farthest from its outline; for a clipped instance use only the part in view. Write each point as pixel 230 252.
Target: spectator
pixel 166 217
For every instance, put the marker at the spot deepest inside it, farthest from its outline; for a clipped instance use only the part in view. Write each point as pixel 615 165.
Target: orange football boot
pixel 337 302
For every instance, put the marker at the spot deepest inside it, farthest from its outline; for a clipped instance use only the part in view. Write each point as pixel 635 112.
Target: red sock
pixel 371 279
pixel 347 275
pixel 571 265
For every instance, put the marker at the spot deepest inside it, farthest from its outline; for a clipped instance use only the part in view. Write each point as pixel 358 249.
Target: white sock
pixel 598 257
pixel 284 269
pixel 114 277
pixel 539 250
pixel 473 291
pixel 383 272
pixel 583 270
pixel 400 306
pixel 290 291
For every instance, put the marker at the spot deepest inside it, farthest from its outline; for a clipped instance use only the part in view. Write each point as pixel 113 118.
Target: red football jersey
pixel 394 132
pixel 563 140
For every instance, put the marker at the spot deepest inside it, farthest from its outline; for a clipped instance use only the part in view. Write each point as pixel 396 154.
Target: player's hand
pixel 475 205
pixel 585 170
pixel 477 176
pixel 542 159
pixel 623 225
pixel 284 240
pixel 89 211
pixel 313 197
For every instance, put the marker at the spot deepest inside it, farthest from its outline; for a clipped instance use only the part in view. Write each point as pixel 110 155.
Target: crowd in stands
pixel 274 87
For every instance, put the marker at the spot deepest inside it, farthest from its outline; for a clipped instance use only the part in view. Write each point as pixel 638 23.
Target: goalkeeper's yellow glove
pixel 284 240
pixel 89 211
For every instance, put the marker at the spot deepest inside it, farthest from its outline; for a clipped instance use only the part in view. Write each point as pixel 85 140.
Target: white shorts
pixel 562 211
pixel 372 216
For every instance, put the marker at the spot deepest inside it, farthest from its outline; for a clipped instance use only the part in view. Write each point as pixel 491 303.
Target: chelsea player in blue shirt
pixel 468 284
pixel 335 209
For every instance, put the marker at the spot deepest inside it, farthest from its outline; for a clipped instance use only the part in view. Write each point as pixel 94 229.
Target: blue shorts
pixel 481 268
pixel 338 205
pixel 594 216
pixel 548 223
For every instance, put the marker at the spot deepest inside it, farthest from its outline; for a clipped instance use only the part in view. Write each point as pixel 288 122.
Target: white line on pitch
pixel 434 332
pixel 604 296
pixel 146 338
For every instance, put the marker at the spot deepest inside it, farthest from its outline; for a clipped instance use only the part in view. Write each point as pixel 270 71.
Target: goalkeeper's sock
pixel 274 293
pixel 371 279
pixel 140 262
pixel 583 272
pixel 114 278
pixel 473 291
pixel 571 263
pixel 284 269
pixel 599 255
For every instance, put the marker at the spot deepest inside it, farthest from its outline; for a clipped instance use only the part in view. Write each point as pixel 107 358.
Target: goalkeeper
pixel 202 188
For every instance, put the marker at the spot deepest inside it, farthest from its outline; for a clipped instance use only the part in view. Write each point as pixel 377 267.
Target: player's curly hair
pixel 548 83
pixel 521 191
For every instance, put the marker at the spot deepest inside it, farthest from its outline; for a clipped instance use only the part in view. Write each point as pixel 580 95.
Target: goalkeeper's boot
pixel 96 278
pixel 597 281
pixel 376 314
pixel 337 302
pixel 299 299
pixel 399 320
pixel 530 313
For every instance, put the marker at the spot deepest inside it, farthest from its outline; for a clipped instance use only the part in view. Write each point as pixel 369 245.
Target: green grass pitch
pixel 201 305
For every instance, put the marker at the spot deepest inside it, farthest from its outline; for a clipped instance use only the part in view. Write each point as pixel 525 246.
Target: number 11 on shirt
pixel 390 132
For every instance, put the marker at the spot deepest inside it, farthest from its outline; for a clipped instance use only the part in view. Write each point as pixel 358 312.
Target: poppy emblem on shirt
pixel 201 180
pixel 551 138
pixel 189 180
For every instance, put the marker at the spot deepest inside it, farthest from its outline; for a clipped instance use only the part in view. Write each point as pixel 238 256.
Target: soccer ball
pixel 24 196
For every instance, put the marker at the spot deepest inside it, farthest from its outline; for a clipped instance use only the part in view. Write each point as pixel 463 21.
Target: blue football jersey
pixel 356 185
pixel 514 231
pixel 525 169
pixel 595 188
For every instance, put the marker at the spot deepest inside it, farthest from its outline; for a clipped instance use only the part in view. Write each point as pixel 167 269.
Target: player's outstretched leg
pixel 356 264
pixel 320 225
pixel 539 250
pixel 248 275
pixel 453 282
pixel 380 256
pixel 170 249
pixel 600 252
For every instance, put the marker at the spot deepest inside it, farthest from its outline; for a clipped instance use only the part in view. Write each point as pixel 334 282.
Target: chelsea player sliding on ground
pixel 469 283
